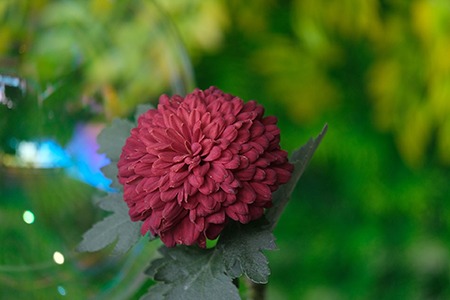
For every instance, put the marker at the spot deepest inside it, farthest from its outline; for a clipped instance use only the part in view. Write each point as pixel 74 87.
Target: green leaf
pixel 300 159
pixel 111 171
pixel 112 138
pixel 242 246
pixel 193 273
pixel 190 273
pixel 117 227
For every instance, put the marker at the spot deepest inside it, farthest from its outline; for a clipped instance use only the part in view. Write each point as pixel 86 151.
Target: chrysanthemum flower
pixel 197 162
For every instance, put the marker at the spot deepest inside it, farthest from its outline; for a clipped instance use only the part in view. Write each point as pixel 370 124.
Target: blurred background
pixel 370 219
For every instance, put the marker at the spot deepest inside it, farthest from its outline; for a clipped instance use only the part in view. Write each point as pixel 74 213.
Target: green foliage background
pixel 371 216
pixel 370 219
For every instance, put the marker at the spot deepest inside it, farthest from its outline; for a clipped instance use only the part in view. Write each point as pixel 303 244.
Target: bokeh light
pixel 58 257
pixel 28 217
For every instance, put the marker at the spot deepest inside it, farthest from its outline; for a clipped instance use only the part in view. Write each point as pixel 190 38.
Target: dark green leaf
pixel 157 292
pixel 190 273
pixel 113 137
pixel 242 246
pixel 300 159
pixel 116 227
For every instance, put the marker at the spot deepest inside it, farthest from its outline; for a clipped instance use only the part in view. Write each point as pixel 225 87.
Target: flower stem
pixel 236 282
pixel 257 291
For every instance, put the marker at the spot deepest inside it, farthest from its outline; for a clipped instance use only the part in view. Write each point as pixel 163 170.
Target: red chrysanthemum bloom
pixel 196 162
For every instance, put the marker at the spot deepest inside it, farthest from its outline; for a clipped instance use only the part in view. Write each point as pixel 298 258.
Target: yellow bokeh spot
pixel 102 8
pixel 444 142
pixel 58 258
pixel 414 135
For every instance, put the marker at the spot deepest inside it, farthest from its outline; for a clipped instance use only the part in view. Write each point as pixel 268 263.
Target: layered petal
pixel 197 162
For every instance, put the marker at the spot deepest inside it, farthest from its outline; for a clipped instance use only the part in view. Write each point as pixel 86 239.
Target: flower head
pixel 195 163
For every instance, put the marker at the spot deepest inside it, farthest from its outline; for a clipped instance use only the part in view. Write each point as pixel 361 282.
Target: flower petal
pixel 198 161
pixel 214 154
